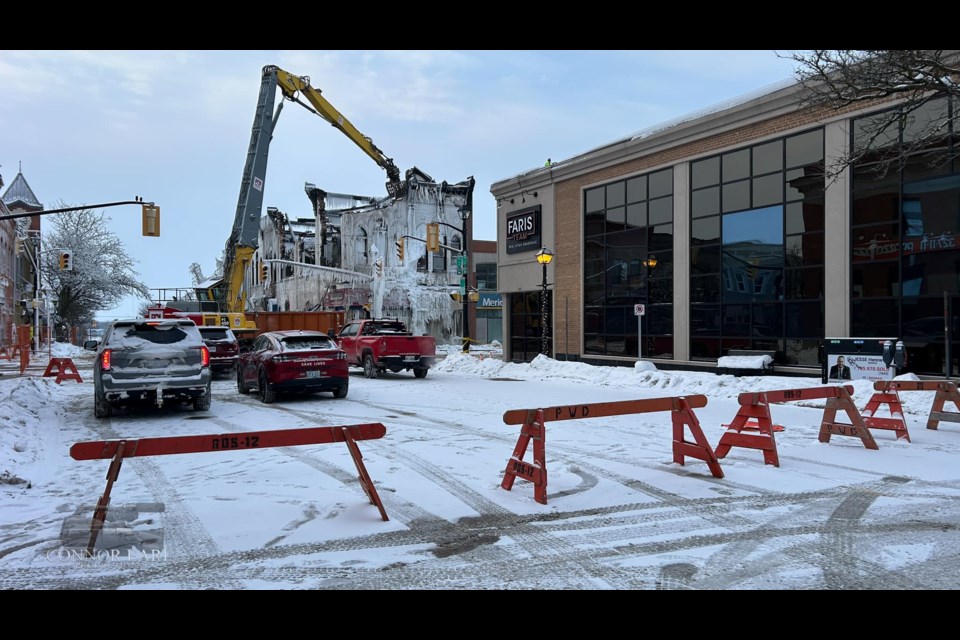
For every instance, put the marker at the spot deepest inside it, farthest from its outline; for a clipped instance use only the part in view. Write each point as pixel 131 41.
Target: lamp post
pixel 464 213
pixel 649 263
pixel 544 257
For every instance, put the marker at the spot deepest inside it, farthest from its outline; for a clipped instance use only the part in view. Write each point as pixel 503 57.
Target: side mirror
pixel 91 345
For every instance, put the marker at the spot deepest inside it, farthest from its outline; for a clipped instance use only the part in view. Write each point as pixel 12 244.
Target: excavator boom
pixel 292 85
pixel 243 239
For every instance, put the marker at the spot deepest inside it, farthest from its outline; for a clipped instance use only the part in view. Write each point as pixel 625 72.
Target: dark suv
pixel 143 360
pixel 224 349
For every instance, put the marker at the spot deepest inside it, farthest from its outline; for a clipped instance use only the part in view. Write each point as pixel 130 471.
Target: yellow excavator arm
pixel 294 86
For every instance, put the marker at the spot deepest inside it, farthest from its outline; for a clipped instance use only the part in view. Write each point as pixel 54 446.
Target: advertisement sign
pixel 856 359
pixel 523 230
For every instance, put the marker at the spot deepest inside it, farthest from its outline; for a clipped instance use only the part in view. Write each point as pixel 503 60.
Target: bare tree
pixel 921 84
pixel 102 273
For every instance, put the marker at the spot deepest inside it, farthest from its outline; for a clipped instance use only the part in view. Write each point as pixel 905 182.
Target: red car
pixel 224 348
pixel 294 362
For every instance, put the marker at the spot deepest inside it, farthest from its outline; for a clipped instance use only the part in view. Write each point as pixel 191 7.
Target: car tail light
pixel 204 356
pixel 105 359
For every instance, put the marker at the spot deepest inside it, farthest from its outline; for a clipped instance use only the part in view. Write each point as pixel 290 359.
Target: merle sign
pixel 523 230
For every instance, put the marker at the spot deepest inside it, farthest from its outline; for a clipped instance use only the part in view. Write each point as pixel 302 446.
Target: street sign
pixel 638 310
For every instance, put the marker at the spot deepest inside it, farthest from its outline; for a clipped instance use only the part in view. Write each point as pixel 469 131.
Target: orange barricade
pixel 63 368
pixel 756 406
pixel 533 421
pixel 23 344
pixel 885 394
pixel 117 450
pixel 946 392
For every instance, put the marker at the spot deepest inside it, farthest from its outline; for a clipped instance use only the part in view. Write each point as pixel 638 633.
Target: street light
pixel 544 257
pixel 464 213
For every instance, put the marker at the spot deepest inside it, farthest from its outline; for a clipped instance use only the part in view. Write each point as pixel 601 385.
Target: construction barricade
pixel 533 428
pixel 117 450
pixel 886 393
pixel 755 406
pixel 63 368
pixel 946 391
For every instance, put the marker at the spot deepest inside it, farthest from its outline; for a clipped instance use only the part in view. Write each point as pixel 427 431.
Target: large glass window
pixel 628 260
pixel 756 242
pixel 906 232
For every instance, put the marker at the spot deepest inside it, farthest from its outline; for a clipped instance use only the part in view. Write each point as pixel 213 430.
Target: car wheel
pixel 340 392
pixel 369 366
pixel 420 372
pixel 241 387
pixel 202 403
pixel 267 394
pixel 101 407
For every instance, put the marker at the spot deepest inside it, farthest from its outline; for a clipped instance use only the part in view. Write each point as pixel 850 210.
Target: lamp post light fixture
pixel 464 213
pixel 544 257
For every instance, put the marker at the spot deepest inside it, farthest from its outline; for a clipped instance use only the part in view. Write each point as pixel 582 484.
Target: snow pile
pixel 66 350
pixel 27 426
pixel 744 362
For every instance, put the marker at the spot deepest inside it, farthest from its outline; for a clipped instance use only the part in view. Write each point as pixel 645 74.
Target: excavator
pixel 229 292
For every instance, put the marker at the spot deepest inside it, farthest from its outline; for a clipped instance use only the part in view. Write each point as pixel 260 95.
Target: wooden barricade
pixel 946 392
pixel 755 406
pixel 889 396
pixel 533 429
pixel 117 450
pixel 63 368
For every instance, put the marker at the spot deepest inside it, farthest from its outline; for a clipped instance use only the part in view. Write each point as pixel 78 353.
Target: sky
pixel 620 513
pixel 173 127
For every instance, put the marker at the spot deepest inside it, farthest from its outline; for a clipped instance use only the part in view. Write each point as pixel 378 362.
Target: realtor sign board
pixel 856 359
pixel 523 230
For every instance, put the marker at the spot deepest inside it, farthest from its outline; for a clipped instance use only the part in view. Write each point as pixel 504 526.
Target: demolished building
pixel 368 256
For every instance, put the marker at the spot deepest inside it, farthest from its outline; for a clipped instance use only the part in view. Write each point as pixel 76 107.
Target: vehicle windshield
pixel 306 343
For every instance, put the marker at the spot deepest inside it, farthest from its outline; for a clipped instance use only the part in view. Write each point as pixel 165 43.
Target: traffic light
pixel 263 271
pixel 433 237
pixel 19 246
pixel 66 261
pixel 151 220
pixel 400 249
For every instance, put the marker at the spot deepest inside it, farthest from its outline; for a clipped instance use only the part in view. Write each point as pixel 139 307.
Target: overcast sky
pixel 173 127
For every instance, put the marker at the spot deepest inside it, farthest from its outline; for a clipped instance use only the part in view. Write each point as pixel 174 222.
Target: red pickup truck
pixel 386 345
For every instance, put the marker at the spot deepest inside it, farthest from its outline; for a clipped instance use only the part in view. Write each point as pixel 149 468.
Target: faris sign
pixel 523 230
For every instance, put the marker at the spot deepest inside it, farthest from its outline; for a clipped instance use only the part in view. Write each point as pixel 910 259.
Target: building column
pixel 681 261
pixel 837 259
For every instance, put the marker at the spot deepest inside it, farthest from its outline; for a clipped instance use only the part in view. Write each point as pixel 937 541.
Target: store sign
pixel 490 301
pixel 880 248
pixel 523 230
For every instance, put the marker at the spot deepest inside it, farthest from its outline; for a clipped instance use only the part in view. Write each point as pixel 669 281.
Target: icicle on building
pixel 346 257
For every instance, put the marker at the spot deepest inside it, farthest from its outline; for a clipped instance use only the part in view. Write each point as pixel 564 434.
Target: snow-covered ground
pixel 621 513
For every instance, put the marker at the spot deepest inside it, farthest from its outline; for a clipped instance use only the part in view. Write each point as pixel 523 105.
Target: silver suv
pixel 143 360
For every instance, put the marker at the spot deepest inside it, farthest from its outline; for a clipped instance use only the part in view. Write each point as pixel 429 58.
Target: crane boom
pixel 242 243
